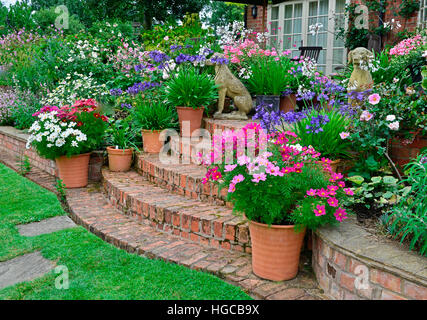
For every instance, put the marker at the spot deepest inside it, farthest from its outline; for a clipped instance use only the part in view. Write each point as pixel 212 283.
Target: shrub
pixel 45 19
pixel 154 115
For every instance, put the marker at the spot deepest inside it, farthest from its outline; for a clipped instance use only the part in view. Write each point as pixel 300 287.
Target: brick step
pixel 181 179
pixel 211 124
pixel 90 209
pixel 175 214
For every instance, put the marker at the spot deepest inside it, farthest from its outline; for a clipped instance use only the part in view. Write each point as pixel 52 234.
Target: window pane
pixel 322 57
pixel 338 56
pixel 338 42
pixel 312 9
pixel 297 25
pixel 274 26
pixel 324 21
pixel 288 11
pixel 287 27
pixel 340 6
pixel 322 40
pixel 298 10
pixel 323 7
pixel 297 40
pixel 274 13
pixel 287 42
pixel 311 40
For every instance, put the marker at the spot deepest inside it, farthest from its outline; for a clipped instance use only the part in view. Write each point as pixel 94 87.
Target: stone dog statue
pixel 230 86
pixel 361 79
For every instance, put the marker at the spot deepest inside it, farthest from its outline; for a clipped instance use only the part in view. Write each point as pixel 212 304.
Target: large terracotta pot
pixel 73 171
pixel 151 141
pixel 275 251
pixel 119 159
pixel 402 152
pixel 288 103
pixel 191 118
pixel 335 165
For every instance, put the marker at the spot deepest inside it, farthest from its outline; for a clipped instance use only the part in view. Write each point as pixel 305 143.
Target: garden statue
pixel 361 79
pixel 230 86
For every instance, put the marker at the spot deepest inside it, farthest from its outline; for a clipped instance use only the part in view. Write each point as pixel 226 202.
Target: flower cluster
pixel 404 47
pixel 310 191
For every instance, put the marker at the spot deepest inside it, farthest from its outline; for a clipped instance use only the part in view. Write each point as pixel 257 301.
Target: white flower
pixel 391 117
pixel 74 144
pixel 394 126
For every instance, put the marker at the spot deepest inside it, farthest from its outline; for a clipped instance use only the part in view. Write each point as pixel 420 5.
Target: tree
pixel 218 13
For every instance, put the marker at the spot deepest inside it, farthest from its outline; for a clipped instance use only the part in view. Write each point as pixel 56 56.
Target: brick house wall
pixel 255 24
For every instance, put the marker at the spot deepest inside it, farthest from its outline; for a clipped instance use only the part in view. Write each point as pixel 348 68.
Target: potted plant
pixel 281 189
pixel 152 117
pixel 120 151
pixel 269 76
pixel 190 91
pixel 68 135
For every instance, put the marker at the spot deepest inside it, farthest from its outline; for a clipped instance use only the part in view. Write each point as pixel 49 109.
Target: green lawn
pixel 97 270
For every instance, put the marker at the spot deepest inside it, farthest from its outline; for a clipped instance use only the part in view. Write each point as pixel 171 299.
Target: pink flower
pixel 230 167
pixel 237 179
pixel 332 188
pixel 259 177
pixel 348 191
pixel 320 210
pixel 323 193
pixel 333 202
pixel 340 214
pixel 341 184
pixel 374 98
pixel 231 188
pixel 344 135
pixel 312 192
pixel 366 116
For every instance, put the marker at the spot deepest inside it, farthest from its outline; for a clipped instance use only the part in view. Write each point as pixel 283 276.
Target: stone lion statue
pixel 230 86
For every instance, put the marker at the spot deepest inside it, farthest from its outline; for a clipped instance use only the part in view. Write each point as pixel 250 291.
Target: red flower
pixel 79 124
pixel 85 109
pixel 96 115
pixel 104 118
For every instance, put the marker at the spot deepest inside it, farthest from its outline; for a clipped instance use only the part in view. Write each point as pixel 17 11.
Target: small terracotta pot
pixel 119 159
pixel 275 250
pixel 192 119
pixel 151 141
pixel 288 103
pixel 73 171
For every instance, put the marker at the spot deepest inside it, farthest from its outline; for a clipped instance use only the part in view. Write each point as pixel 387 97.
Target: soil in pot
pixel 190 120
pixel 275 250
pixel 119 160
pixel 73 171
pixel 151 141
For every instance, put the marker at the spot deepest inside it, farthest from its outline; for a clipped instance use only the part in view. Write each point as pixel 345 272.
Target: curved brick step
pixel 191 219
pixel 90 209
pixel 182 179
pixel 214 124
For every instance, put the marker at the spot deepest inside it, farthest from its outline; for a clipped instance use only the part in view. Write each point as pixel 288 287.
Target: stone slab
pixel 46 226
pixel 24 268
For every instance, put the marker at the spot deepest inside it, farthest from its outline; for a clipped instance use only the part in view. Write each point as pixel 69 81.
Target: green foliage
pixel 45 19
pixel 153 115
pixel 424 74
pixel 328 141
pixel 408 218
pixel 61 189
pixel 23 110
pixel 191 88
pixel 378 192
pixel 121 134
pixel 408 7
pixel 24 165
pixel 18 16
pixel 223 13
pixel 268 75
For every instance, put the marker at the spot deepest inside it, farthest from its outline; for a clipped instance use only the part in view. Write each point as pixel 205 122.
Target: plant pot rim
pixel 198 108
pixel 74 155
pixel 273 226
pixel 112 148
pixel 152 130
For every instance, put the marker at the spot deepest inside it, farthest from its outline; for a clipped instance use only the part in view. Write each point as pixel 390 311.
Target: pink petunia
pixel 340 214
pixel 320 210
pixel 312 192
pixel 348 191
pixel 333 202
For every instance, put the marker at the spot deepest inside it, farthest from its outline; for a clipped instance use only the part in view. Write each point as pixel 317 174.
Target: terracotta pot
pixel 402 152
pixel 192 119
pixel 119 159
pixel 151 141
pixel 73 171
pixel 335 165
pixel 288 103
pixel 275 251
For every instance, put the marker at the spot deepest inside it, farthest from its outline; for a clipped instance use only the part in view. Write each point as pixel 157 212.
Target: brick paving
pixel 90 208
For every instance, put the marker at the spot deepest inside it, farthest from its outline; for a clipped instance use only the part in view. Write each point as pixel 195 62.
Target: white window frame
pixel 422 14
pixel 331 28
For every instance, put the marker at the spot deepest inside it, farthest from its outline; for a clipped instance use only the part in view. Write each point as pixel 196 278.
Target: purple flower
pixel 116 92
pixel 126 105
pixel 158 56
